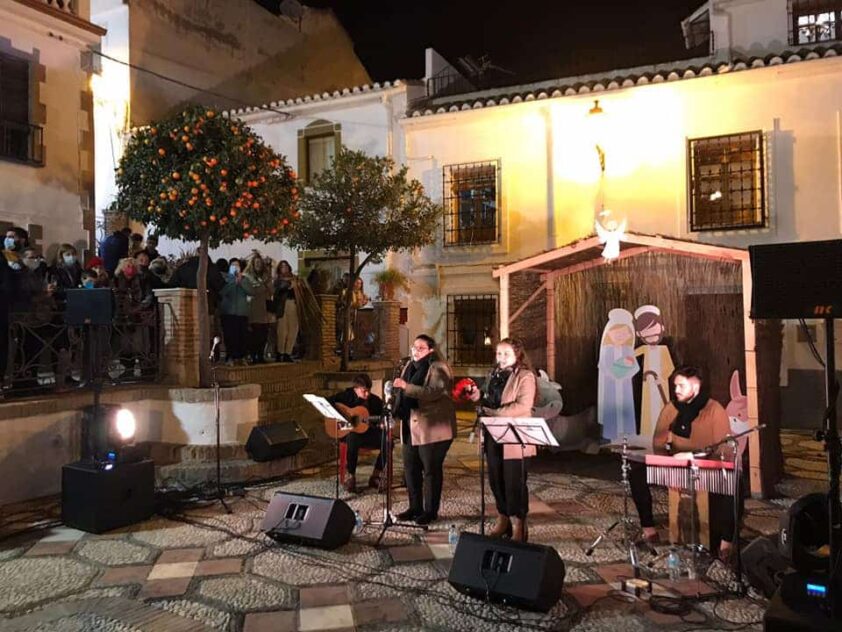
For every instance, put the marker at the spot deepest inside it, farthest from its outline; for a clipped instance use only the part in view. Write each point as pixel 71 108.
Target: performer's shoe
pixel 519 531
pixel 376 480
pixel 502 527
pixel 350 484
pixel 409 514
pixel 426 518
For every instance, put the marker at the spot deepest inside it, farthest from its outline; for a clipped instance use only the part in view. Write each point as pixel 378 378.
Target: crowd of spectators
pixel 259 306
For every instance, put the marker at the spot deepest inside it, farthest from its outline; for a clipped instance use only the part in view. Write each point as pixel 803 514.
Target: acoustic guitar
pixel 357 419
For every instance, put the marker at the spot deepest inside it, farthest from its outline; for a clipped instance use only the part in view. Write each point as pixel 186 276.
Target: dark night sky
pixel 536 39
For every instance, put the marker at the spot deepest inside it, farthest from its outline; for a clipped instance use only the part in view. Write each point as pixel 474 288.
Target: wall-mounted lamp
pixel 594 112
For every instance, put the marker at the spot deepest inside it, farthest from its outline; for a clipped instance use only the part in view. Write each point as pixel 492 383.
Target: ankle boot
pixel 519 533
pixel 375 479
pixel 350 484
pixel 502 526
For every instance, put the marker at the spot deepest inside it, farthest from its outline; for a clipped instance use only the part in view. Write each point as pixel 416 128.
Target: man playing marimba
pixel 689 423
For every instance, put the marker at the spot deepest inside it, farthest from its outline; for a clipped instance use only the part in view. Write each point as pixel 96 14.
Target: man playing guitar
pixel 358 403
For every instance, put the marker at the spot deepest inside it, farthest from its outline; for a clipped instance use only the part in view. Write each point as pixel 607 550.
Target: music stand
pixel 522 431
pixel 327 411
pixel 90 309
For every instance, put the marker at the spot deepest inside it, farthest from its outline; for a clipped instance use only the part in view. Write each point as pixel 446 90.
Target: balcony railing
pixel 22 142
pixel 67 6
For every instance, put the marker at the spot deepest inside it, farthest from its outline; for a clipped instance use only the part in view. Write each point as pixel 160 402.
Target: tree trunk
pixel 347 328
pixel 204 318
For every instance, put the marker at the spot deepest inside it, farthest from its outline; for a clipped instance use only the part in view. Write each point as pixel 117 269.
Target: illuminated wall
pixel 551 185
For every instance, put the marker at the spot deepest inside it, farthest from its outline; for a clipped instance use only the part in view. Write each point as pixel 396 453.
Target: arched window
pixel 318 144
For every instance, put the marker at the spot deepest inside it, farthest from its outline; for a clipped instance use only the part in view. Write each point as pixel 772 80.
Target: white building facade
pixel 731 149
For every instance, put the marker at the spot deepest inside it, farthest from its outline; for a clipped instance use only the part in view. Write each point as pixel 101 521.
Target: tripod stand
pixel 630 530
pixel 219 493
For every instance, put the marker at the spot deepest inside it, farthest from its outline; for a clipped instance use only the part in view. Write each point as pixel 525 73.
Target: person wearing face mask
pixel 261 281
pixel 509 391
pixel 428 425
pixel 15 241
pixel 234 312
pixel 33 306
pixel 66 273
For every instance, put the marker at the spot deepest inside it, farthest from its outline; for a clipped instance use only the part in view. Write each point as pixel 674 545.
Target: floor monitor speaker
pixel 313 520
pixel 275 441
pixel 527 576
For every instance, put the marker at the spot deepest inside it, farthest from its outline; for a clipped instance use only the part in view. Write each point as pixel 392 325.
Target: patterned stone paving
pixel 214 571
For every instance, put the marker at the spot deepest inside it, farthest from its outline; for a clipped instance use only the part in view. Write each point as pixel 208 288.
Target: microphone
pixel 388 391
pixel 213 347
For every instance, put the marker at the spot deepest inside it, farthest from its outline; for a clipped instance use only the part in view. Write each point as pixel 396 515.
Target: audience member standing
pixel 261 284
pixel 234 311
pixel 114 248
pixel 286 309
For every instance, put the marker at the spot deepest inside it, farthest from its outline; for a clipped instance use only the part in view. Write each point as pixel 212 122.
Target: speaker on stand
pixel 804 280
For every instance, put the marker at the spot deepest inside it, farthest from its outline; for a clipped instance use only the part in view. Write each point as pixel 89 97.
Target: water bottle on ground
pixel 358 523
pixel 137 372
pixel 452 538
pixel 674 565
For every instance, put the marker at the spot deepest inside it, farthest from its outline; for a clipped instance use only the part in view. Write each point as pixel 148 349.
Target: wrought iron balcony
pixel 22 142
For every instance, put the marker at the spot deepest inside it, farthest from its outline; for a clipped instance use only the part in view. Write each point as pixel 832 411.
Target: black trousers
pixel 234 330
pixel 721 507
pixel 371 438
pixel 424 473
pixel 258 334
pixel 507 479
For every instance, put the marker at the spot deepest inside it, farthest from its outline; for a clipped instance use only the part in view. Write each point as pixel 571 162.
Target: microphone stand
pixel 732 441
pixel 220 494
pixel 388 520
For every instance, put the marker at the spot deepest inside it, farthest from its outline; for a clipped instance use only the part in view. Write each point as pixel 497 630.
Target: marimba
pixel 699 477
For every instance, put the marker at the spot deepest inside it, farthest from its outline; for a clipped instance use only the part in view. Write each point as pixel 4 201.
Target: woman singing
pixel 428 425
pixel 509 392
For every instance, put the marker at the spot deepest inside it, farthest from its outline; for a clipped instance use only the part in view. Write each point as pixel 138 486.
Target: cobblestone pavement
pixel 208 570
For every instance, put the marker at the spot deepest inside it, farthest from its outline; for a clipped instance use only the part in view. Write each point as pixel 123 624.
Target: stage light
pixel 125 424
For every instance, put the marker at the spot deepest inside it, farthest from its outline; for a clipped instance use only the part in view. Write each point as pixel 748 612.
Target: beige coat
pixel 517 401
pixel 435 418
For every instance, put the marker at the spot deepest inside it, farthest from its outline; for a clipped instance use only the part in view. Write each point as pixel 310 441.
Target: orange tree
pixel 201 176
pixel 362 206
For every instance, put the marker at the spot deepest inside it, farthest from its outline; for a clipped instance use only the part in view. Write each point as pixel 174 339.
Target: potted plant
pixel 390 280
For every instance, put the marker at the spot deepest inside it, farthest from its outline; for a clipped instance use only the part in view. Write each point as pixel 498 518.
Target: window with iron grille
pixel 19 140
pixel 727 182
pixel 471 329
pixel 814 21
pixel 471 203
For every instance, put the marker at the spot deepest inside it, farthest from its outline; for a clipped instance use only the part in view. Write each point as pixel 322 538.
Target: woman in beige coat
pixel 428 426
pixel 509 391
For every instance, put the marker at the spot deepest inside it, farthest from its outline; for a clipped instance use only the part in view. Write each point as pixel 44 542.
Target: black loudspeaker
pixel 322 522
pixel 797 280
pixel 275 441
pixel 528 576
pixel 764 565
pixel 94 499
pixel 801 604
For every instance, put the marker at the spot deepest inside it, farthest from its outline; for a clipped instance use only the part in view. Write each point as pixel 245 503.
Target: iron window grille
pixel 814 21
pixel 471 329
pixel 471 203
pixel 727 182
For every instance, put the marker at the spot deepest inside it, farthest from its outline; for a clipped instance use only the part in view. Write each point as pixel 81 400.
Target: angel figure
pixel 610 233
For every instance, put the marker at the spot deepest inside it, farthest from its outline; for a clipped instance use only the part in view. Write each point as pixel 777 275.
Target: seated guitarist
pixel 359 394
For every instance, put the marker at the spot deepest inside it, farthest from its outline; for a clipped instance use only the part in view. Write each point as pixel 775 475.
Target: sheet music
pixel 324 407
pixel 517 430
